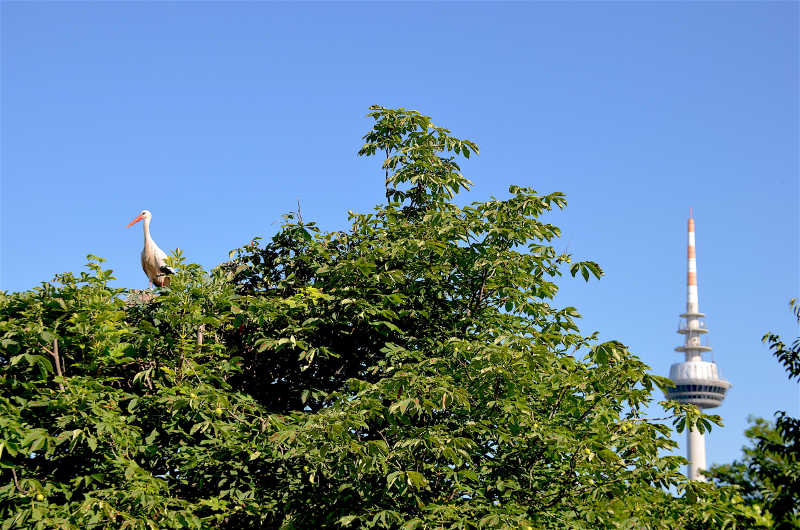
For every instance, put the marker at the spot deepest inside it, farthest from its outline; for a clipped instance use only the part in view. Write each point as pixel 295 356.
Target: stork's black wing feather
pixel 167 270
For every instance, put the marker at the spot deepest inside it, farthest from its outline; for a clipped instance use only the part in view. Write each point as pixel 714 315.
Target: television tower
pixel 696 381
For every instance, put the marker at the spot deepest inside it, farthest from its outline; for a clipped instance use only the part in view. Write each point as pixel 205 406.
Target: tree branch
pixel 558 402
pixel 57 360
pixel 477 296
pixel 200 333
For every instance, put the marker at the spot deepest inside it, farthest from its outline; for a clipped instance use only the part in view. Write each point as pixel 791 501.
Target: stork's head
pixel 145 214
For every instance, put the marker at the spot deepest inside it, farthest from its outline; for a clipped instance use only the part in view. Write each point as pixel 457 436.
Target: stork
pixel 154 260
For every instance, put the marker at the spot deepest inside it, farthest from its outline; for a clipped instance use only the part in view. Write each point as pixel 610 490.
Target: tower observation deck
pixel 696 381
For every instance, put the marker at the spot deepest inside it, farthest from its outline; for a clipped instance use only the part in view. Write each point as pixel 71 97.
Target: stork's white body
pixel 154 260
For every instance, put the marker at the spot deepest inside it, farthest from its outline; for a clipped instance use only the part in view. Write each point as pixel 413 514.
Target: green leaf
pixel 347 520
pixel 416 479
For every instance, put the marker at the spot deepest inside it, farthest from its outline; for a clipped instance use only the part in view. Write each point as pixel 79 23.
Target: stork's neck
pixel 147 239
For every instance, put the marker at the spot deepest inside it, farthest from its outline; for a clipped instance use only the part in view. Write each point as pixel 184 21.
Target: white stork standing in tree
pixel 154 260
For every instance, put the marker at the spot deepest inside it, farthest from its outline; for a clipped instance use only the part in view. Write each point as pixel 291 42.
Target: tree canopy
pixel 410 372
pixel 769 472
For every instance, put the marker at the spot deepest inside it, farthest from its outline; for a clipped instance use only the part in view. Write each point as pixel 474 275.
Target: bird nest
pixel 139 297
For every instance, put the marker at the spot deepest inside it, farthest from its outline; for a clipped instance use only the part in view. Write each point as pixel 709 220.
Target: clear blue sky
pixel 219 117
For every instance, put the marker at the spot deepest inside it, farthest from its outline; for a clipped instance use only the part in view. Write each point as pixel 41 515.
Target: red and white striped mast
pixel 696 381
pixel 692 304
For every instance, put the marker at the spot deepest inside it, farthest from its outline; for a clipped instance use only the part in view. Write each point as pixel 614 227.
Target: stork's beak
pixel 138 218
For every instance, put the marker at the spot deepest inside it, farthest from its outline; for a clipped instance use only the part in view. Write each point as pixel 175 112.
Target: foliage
pixel 769 473
pixel 410 372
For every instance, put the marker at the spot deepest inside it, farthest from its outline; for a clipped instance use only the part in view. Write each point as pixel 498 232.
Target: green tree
pixel 769 472
pixel 408 372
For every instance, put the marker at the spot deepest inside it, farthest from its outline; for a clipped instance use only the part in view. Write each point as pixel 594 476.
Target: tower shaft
pixel 695 441
pixel 696 454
